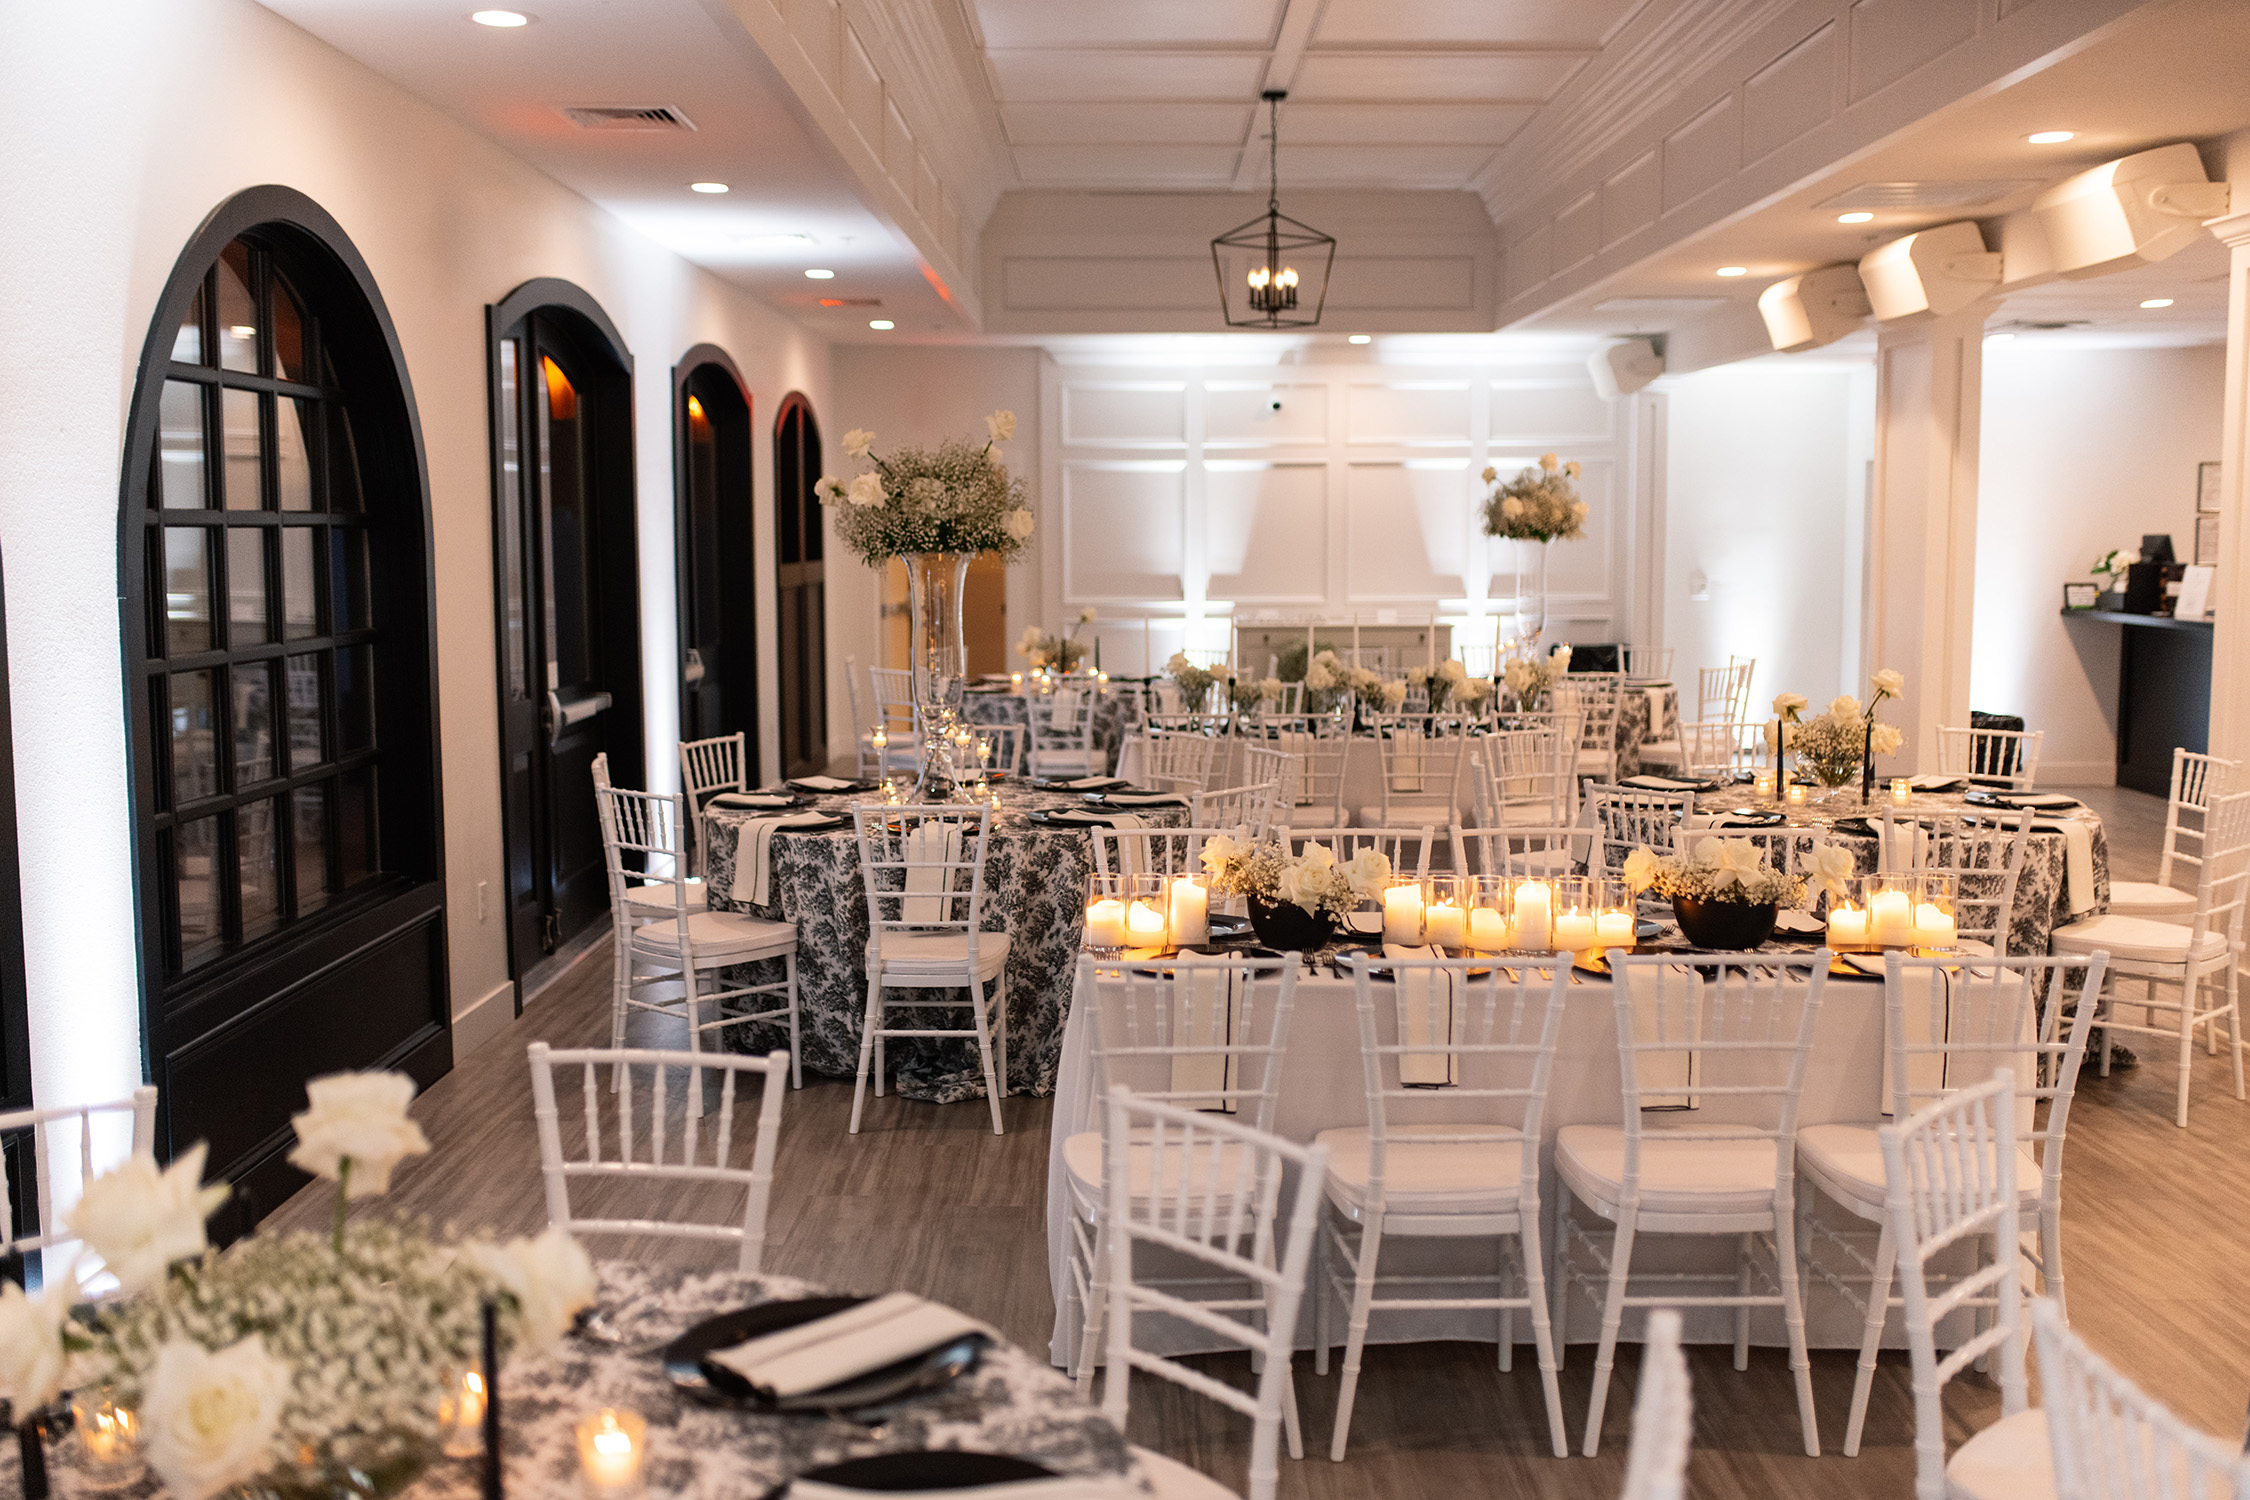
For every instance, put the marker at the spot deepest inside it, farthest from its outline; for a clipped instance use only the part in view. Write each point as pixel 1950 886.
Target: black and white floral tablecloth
pixel 1645 711
pixel 1113 717
pixel 1035 889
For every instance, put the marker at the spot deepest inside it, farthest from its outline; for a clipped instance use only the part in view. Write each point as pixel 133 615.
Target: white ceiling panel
pixel 1099 23
pixel 1483 77
pixel 1041 75
pixel 1126 124
pixel 1122 166
pixel 1402 124
pixel 1378 166
pixel 1491 23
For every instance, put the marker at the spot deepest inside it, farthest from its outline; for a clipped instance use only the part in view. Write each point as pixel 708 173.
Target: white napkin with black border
pixel 1425 1017
pixel 753 855
pixel 845 1345
pixel 1206 1012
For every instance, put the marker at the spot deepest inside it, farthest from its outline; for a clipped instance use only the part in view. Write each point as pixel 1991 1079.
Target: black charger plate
pixel 703 1380
pixel 726 801
pixel 846 790
pixel 919 1471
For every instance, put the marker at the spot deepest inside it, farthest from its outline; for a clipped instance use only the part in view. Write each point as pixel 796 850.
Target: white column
pixel 1922 524
pixel 2230 591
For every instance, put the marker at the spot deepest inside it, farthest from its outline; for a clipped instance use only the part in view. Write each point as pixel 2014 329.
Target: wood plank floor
pixel 928 1199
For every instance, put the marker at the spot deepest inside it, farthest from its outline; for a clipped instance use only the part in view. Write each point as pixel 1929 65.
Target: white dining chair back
pixel 1650 663
pixel 1991 757
pixel 1710 748
pixel 1594 697
pixel 1262 760
pixel 66 1132
pixel 1153 851
pixel 1000 747
pixel 662 1157
pixel 708 767
pixel 1179 760
pixel 1526 775
pixel 1725 1036
pixel 1322 745
pixel 1663 1415
pixel 1950 1171
pixel 1624 818
pixel 1520 850
pixel 2110 1440
pixel 1408 849
pixel 1062 732
pixel 1213 1190
pixel 923 867
pixel 2197 781
pixel 1984 854
pixel 1423 756
pixel 1717 691
pixel 893 691
pixel 1249 808
pixel 1456 1062
pixel 1744 668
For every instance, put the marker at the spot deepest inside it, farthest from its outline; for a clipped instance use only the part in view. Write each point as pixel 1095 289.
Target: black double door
pixel 718 560
pixel 568 627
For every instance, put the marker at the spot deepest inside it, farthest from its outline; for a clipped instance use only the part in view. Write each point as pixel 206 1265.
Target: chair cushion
pixel 1846 1163
pixel 1322 816
pixel 2009 1460
pixel 646 901
pixel 1169 1479
pixel 1082 1159
pixel 1679 1173
pixel 1461 1177
pixel 2142 898
pixel 2138 938
pixel 716 936
pixel 916 954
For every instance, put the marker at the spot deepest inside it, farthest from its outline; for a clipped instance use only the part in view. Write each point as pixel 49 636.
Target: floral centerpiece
pixel 1723 892
pixel 1248 694
pixel 289 1364
pixel 1843 741
pixel 1195 682
pixel 1527 678
pixel 1449 683
pixel 1538 505
pixel 1294 902
pixel 1061 653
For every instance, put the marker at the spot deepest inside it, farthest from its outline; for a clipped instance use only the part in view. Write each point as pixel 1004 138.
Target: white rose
pixel 31 1347
pixel 551 1278
pixel 866 489
pixel 1453 671
pixel 858 441
pixel 829 488
pixel 1394 696
pixel 1489 474
pixel 208 1420
pixel 1888 739
pixel 1843 706
pixel 1086 615
pixel 1890 683
pixel 1789 703
pixel 1571 469
pixel 1318 679
pixel 1002 425
pixel 1019 525
pixel 360 1116
pixel 1512 508
pixel 1369 872
pixel 1579 511
pixel 1641 867
pixel 1546 461
pixel 1270 689
pixel 139 1220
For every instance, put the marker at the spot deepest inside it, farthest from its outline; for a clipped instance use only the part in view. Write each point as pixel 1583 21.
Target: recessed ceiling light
pixel 1734 270
pixel 707 187
pixel 2157 302
pixel 1359 338
pixel 504 19
pixel 2051 137
pixel 881 324
pixel 1862 217
pixel 817 274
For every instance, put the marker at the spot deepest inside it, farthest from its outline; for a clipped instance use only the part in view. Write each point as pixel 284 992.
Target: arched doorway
pixel 800 595
pixel 568 596
pixel 275 556
pixel 718 546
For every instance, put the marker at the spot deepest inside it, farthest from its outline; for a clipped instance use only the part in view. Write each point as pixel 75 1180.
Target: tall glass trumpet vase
pixel 1531 592
pixel 939 656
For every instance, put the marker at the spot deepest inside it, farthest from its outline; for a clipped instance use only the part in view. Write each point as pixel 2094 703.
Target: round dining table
pixel 1114 714
pixel 1035 891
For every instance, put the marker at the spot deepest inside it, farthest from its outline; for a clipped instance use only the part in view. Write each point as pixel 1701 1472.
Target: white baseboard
pixel 2077 773
pixel 486 1018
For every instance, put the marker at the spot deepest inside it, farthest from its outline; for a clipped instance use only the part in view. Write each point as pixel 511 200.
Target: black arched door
pixel 800 595
pixel 568 589
pixel 718 546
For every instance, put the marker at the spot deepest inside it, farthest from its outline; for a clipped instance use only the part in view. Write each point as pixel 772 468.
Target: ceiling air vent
pixel 1951 193
pixel 626 117
pixel 2038 325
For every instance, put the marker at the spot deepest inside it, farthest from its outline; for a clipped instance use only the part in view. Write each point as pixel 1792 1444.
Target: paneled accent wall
pixel 1192 495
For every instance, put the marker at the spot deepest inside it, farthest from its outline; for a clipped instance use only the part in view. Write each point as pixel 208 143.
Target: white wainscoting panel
pixel 1259 413
pixel 1259 545
pixel 1123 527
pixel 1407 529
pixel 1420 412
pixel 1135 414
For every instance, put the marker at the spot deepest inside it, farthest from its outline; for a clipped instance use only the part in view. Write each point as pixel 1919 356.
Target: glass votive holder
pixel 1576 927
pixel 461 1414
pixel 1106 899
pixel 1614 917
pixel 1796 794
pixel 1148 920
pixel 1894 911
pixel 1446 900
pixel 1492 914
pixel 1902 790
pixel 109 1439
pixel 1535 906
pixel 1402 912
pixel 1761 783
pixel 1187 909
pixel 612 1446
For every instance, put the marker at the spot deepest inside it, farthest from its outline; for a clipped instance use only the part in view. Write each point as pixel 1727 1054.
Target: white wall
pixel 1764 495
pixel 126 124
pixel 2083 450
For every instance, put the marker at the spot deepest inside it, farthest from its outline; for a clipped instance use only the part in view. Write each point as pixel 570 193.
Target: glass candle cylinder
pixel 1614 921
pixel 1902 790
pixel 1105 915
pixel 1762 783
pixel 612 1445
pixel 1492 924
pixel 1796 793
pixel 1535 915
pixel 1402 913
pixel 109 1439
pixel 1575 928
pixel 1187 902
pixel 461 1414
pixel 1935 925
pixel 1445 912
pixel 1847 926
pixel 1148 921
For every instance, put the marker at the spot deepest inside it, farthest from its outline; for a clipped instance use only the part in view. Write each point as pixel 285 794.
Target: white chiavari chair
pixel 1594 697
pixel 1991 757
pixel 1663 1415
pixel 1062 732
pixel 1423 756
pixel 1154 851
pixel 2197 781
pixel 1651 664
pixel 1623 818
pixel 135 1114
pixel 1948 1025
pixel 1526 775
pixel 1322 744
pixel 1456 1071
pixel 1709 750
pixel 923 869
pixel 1408 849
pixel 866 762
pixel 1716 696
pixel 665 1161
pixel 2109 1440
pixel 643 903
pixel 708 767
pixel 1206 1212
pixel 1743 668
pixel 1261 761
pixel 690 947
pixel 1000 747
pixel 1520 850
pixel 1730 1035
pixel 893 691
pixel 1249 808
pixel 1984 853
pixel 1950 1172
pixel 2183 959
pixel 1178 760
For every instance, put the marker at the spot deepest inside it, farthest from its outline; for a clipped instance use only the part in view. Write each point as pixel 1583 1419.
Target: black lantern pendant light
pixel 1272 268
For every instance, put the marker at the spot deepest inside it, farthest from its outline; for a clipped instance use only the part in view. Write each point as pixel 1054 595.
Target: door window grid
pixel 261 646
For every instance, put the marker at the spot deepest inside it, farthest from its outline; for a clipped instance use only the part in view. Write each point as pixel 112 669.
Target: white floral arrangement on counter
pixel 955 497
pixel 1061 652
pixel 1834 744
pixel 1527 678
pixel 1538 505
pixel 1715 870
pixel 1312 880
pixel 288 1358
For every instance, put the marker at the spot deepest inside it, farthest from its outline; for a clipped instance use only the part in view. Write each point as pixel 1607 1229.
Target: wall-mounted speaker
pixel 2133 211
pixel 1624 367
pixel 1936 271
pixel 1819 307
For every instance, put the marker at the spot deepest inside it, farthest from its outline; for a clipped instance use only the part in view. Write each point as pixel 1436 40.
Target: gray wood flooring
pixel 2157 1235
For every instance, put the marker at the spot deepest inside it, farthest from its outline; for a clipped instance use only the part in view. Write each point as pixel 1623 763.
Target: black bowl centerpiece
pixel 1295 898
pixel 1726 925
pixel 1723 892
pixel 1287 927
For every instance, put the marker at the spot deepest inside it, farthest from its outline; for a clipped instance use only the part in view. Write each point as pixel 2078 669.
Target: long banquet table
pixel 1035 887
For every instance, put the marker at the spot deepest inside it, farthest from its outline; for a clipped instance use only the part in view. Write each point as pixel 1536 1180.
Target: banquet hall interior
pixel 1121 747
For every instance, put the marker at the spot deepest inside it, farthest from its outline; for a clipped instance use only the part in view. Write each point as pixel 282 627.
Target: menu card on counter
pixel 2194 601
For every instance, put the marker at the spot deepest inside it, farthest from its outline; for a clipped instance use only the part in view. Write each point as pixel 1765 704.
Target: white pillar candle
pixel 1535 911
pixel 1355 637
pixel 1144 925
pixel 1148 649
pixel 1105 923
pixel 1402 914
pixel 1489 931
pixel 1191 913
pixel 1614 929
pixel 1445 925
pixel 611 1444
pixel 1433 640
pixel 1847 927
pixel 1796 793
pixel 1574 931
pixel 1890 918
pixel 1902 791
pixel 1934 926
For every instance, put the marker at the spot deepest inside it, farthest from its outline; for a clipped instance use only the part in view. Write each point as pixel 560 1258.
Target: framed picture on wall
pixel 2207 489
pixel 2206 540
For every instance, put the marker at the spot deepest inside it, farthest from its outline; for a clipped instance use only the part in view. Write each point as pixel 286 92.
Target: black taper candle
pixel 491 1373
pixel 29 1442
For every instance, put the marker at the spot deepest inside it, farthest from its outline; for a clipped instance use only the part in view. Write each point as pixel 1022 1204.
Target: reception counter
pixel 2163 693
